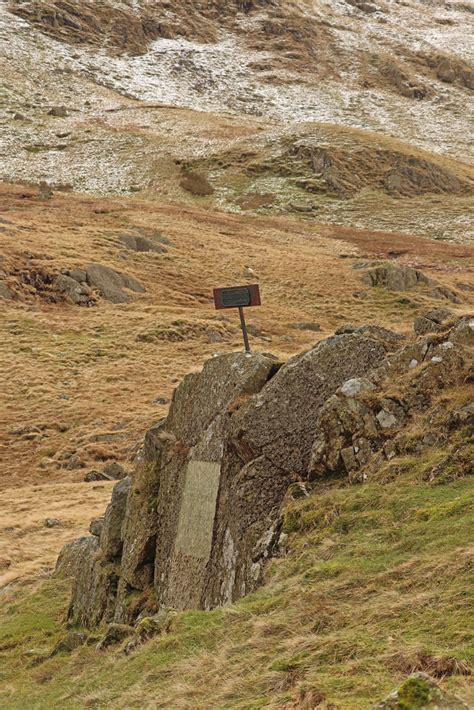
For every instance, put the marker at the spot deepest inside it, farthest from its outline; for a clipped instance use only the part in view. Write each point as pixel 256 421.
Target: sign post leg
pixel 244 329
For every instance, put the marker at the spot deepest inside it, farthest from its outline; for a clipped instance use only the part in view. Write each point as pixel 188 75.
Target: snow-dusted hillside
pixel 399 69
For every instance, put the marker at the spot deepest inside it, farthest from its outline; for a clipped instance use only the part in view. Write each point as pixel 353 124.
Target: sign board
pixel 237 297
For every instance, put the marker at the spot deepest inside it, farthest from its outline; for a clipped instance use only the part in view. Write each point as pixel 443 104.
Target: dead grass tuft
pixel 435 666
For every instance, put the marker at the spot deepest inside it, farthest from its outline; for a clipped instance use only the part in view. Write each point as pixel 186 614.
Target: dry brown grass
pixel 27 547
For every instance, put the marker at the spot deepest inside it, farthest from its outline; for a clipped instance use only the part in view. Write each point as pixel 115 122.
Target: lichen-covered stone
pixel 114 634
pixel 268 447
pixel 110 283
pixel 433 321
pixel 354 434
pixel 70 642
pixel 190 476
pixel 97 575
pixel 111 540
pixel 395 277
pixel 420 692
pixel 75 556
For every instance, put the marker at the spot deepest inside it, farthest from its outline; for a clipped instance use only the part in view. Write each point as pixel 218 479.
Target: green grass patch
pixel 377 582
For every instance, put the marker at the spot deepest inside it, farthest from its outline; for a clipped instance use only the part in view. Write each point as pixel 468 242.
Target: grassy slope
pixel 376 584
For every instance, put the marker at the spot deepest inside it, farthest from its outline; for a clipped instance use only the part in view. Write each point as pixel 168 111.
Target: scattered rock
pixel 5 292
pixel 52 522
pixel 367 7
pixel 110 283
pixel 253 201
pixel 95 527
pixel 79 275
pixel 302 207
pixel 465 286
pixel 115 471
pixel 142 244
pixel 25 429
pixel 313 327
pixel 386 419
pixel 161 400
pixel 93 476
pixel 394 277
pixel 115 634
pixel 356 385
pixel 5 563
pixel 196 184
pixel 402 278
pixel 420 692
pixel 69 643
pixel 58 112
pixel 255 331
pixel 433 321
pixel 45 191
pixel 148 627
pixel 78 293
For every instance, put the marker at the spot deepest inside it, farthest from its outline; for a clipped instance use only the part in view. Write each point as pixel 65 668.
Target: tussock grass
pixel 376 584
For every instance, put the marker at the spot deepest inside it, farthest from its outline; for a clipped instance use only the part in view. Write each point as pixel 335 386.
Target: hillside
pixel 375 583
pixel 150 152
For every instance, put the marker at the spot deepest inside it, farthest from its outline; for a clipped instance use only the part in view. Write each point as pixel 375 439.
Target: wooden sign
pixel 238 297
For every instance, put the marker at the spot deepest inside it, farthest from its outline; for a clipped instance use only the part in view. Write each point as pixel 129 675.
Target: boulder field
pixel 193 526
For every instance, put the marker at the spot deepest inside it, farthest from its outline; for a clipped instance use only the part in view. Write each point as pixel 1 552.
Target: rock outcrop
pixel 78 293
pixel 202 512
pixel 362 425
pixel 137 242
pixel 433 321
pixel 420 692
pixel 111 283
pixel 404 278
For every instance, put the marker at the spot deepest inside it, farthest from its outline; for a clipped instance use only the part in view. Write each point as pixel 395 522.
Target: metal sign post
pixel 244 329
pixel 238 297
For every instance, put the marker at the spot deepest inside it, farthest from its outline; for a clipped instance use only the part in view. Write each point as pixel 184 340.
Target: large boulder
pixel 268 448
pixel 203 511
pixel 172 543
pixel 111 283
